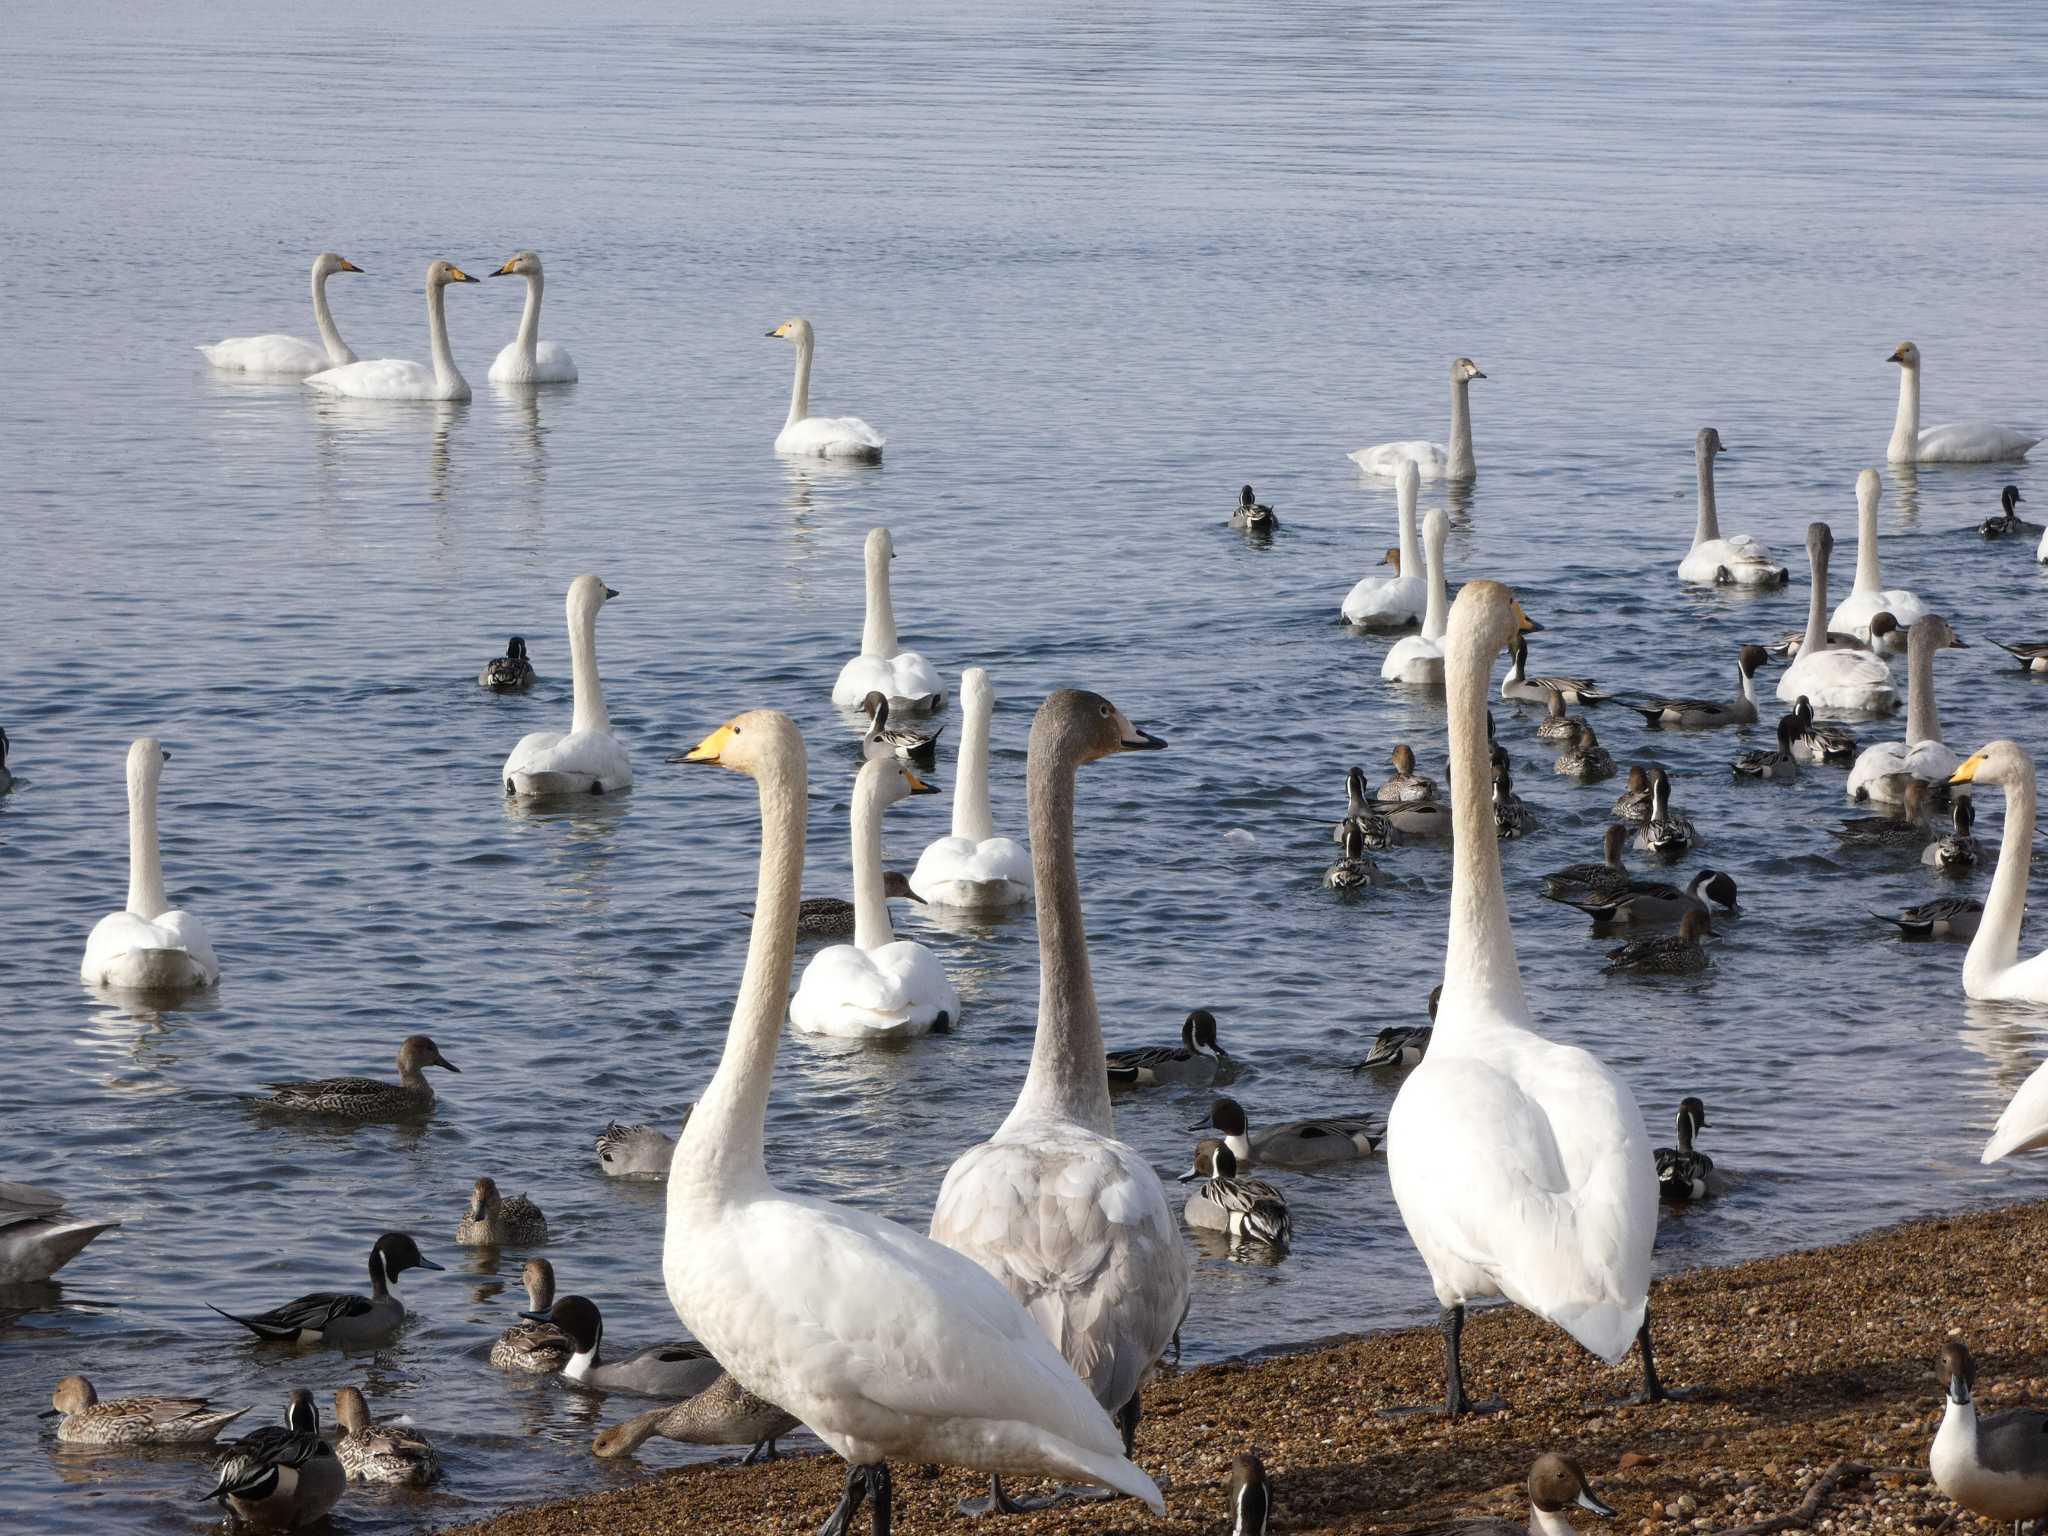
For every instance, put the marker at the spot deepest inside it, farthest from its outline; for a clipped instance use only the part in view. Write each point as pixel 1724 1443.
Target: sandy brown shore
pixel 1821 1366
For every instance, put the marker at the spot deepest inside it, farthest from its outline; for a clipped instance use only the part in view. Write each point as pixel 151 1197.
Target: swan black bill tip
pixel 1146 742
pixel 610 593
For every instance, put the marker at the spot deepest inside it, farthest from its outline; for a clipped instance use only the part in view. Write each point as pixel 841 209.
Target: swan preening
pixel 889 1346
pixel 1418 660
pixel 1433 461
pixel 394 378
pixel 1870 597
pixel 973 870
pixel 822 437
pixel 527 359
pixel 1716 559
pixel 589 760
pixel 1953 443
pixel 149 945
pixel 909 682
pixel 1834 681
pixel 1402 598
pixel 290 356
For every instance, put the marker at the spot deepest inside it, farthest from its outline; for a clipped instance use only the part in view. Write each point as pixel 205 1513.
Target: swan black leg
pixel 840 1521
pixel 1654 1391
pixel 1127 1420
pixel 1455 1402
pixel 882 1491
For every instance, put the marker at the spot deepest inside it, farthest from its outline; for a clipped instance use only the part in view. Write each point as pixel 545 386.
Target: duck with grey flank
pixel 381 1453
pixel 1556 1485
pixel 1708 714
pixel 1362 813
pixel 1194 1062
pixel 1633 804
pixel 1293 1144
pixel 1251 515
pixel 492 1221
pixel 1518 684
pixel 1593 882
pixel 509 673
pixel 1247 1210
pixel 831 917
pixel 1909 829
pixel 133 1420
pixel 1664 954
pixel 6 777
pixel 367 1098
pixel 281 1476
pixel 1823 742
pixel 1945 917
pixel 1884 635
pixel 724 1413
pixel 1995 1467
pixel 1665 834
pixel 1251 1499
pixel 1682 1172
pixel 1647 902
pixel 539 1349
pixel 1354 870
pixel 342 1317
pixel 1402 1045
pixel 661 1370
pixel 1958 853
pixel 2008 522
pixel 637 1151
pixel 1406 784
pixel 2032 657
pixel 37 1236
pixel 918 748
pixel 1781 764
pixel 1583 758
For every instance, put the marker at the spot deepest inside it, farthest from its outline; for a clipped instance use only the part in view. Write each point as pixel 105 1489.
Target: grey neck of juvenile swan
pixel 1405 490
pixel 871 927
pixel 446 374
pixel 1816 639
pixel 971 817
pixel 338 352
pixel 1480 971
pixel 1709 528
pixel 1460 466
pixel 145 867
pixel 800 390
pixel 1905 444
pixel 878 633
pixel 1997 945
pixel 1437 611
pixel 1066 1080
pixel 1922 723
pixel 529 320
pixel 1868 578
pixel 587 691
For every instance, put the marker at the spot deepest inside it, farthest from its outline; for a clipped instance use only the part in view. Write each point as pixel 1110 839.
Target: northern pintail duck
pixel 1354 870
pixel 1682 1172
pixel 1293 1144
pixel 724 1413
pixel 1945 917
pixel 6 778
pixel 133 1420
pixel 381 1453
pixel 2032 658
pixel 1909 829
pixel 492 1221
pixel 1633 803
pixel 2008 522
pixel 509 673
pixel 540 1349
pixel 1556 725
pixel 1995 1467
pixel 1406 784
pixel 1363 813
pixel 1519 684
pixel 1593 882
pixel 282 1476
pixel 1583 758
pixel 1664 954
pixel 920 748
pixel 636 1151
pixel 1665 834
pixel 831 917
pixel 368 1098
pixel 1195 1061
pixel 1647 902
pixel 1402 1045
pixel 1251 1500
pixel 1555 1485
pixel 342 1317
pixel 1512 816
pixel 1884 629
pixel 663 1370
pixel 1705 714
pixel 1252 515
pixel 1958 853
pixel 1781 764
pixel 1821 742
pixel 37 1237
pixel 1249 1210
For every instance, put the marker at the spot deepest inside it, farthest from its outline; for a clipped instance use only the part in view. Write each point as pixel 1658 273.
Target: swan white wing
pixel 1746 560
pixel 2024 1123
pixel 1880 773
pixel 552 364
pixel 124 950
pixel 549 761
pixel 897 989
pixel 1841 682
pixel 957 871
pixel 831 437
pixel 1415 661
pixel 1377 603
pixel 1853 613
pixel 284 356
pixel 385 378
pixel 1078 1228
pixel 1430 459
pixel 1959 442
pixel 906 675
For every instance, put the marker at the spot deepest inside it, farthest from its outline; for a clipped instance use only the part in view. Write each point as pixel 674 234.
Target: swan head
pixel 522 264
pixel 1907 355
pixel 1709 443
pixel 1556 1484
pixel 329 262
pixel 1931 630
pixel 441 273
pixel 418 1052
pixel 1958 1372
pixel 1489 614
pixel 1463 368
pixel 752 743
pixel 1868 488
pixel 587 594
pixel 1820 540
pixel 797 330
pixel 2002 762
pixel 893 780
pixel 880 547
pixel 1078 727
pixel 146 759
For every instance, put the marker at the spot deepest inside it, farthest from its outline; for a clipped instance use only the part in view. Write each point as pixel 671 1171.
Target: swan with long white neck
pixel 1717 559
pixel 526 359
pixel 1834 682
pixel 589 759
pixel 973 870
pixel 149 945
pixel 1953 443
pixel 1418 660
pixel 1870 597
pixel 1072 1221
pixel 820 437
pixel 879 986
pixel 1433 461
pixel 1993 970
pixel 1400 599
pixel 909 682
pixel 1882 772
pixel 1521 1167
pixel 395 378
pixel 889 1346
pixel 291 356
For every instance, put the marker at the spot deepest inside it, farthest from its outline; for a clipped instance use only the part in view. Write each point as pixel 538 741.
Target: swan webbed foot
pixel 998 1502
pixel 862 1483
pixel 1456 1403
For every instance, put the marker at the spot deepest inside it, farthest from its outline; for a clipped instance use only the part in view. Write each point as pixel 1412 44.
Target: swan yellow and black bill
pixel 347 266
pixel 1524 625
pixel 1967 774
pixel 919 786
pixel 507 270
pixel 780 330
pixel 457 275
pixel 712 747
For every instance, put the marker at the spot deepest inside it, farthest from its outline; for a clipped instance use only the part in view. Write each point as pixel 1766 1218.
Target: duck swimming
pixel 1945 917
pixel 724 1413
pixel 1665 954
pixel 1251 515
pixel 635 1151
pixel 1818 742
pixel 1353 871
pixel 381 1453
pixel 2008 522
pixel 281 1477
pixel 1707 714
pixel 368 1098
pixel 1682 1172
pixel 37 1237
pixel 492 1221
pixel 1664 833
pixel 1958 853
pixel 1646 902
pixel 1583 758
pixel 661 1370
pixel 1780 765
pixel 1248 1210
pixel 341 1317
pixel 540 1349
pixel 1402 1045
pixel 918 748
pixel 509 673
pixel 1194 1062
pixel 1294 1143
pixel 1406 784
pixel 133 1420
pixel 1604 881
pixel 1518 684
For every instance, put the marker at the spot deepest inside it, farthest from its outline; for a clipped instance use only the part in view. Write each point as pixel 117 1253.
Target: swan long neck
pixel 1868 576
pixel 446 374
pixel 1460 466
pixel 1997 945
pixel 878 633
pixel 338 352
pixel 721 1146
pixel 588 692
pixel 1709 527
pixel 971 817
pixel 145 863
pixel 1480 971
pixel 871 926
pixel 1905 445
pixel 528 338
pixel 1922 723
pixel 1816 639
pixel 1411 544
pixel 1436 614
pixel 1066 1080
pixel 800 389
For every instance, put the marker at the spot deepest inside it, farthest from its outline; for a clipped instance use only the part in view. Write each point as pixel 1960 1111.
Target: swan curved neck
pixel 878 632
pixel 1816 639
pixel 529 319
pixel 1066 1080
pixel 1709 527
pixel 584 686
pixel 145 864
pixel 971 817
pixel 871 926
pixel 1905 444
pixel 800 390
pixel 1868 577
pixel 1437 612
pixel 1922 723
pixel 1997 945
pixel 1480 970
pixel 338 352
pixel 446 374
pixel 1460 466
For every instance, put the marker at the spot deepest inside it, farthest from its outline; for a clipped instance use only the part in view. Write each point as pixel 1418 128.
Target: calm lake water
pixel 1089 274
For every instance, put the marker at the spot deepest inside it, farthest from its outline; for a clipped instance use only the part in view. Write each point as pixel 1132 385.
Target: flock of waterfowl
pixel 1015 1337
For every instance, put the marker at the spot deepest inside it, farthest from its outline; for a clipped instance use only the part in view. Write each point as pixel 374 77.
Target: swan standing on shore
pixel 1401 598
pixel 590 760
pixel 149 945
pixel 1433 461
pixel 1954 443
pixel 1992 969
pixel 1840 682
pixel 290 356
pixel 887 1345
pixel 1521 1167
pixel 394 378
pixel 1073 1222
pixel 822 437
pixel 1882 772
pixel 1869 597
pixel 910 683
pixel 1418 660
pixel 527 359
pixel 1736 559
pixel 973 870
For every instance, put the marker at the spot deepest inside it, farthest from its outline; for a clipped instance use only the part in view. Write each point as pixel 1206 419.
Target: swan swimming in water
pixel 394 378
pixel 822 437
pixel 149 945
pixel 290 356
pixel 1400 599
pixel 1432 461
pixel 589 760
pixel 1838 681
pixel 1870 597
pixel 1715 559
pixel 1952 443
pixel 910 683
pixel 527 359
pixel 973 869
pixel 1418 660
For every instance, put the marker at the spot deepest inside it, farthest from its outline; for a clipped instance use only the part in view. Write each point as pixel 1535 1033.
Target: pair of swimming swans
pixel 1418 660
pixel 149 945
pixel 889 1345
pixel 1402 598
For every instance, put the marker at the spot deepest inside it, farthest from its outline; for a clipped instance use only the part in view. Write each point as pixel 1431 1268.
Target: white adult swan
pixel 1521 1167
pixel 1992 970
pixel 1418 660
pixel 910 683
pixel 1402 598
pixel 1074 1222
pixel 1836 682
pixel 1954 443
pixel 1736 559
pixel 1870 597
pixel 879 986
pixel 291 356
pixel 590 760
pixel 1881 773
pixel 1433 461
pixel 527 359
pixel 973 870
pixel 821 437
pixel 889 1346
pixel 150 945
pixel 394 378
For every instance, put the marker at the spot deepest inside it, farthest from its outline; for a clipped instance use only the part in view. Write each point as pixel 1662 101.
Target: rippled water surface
pixel 1090 273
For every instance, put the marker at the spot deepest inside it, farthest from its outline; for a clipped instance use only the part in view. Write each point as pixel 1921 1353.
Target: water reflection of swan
pixel 2011 1037
pixel 577 864
pixel 346 426
pixel 519 404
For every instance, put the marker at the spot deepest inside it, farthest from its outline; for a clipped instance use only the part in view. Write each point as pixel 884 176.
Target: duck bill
pixel 1590 1500
pixel 427 1263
